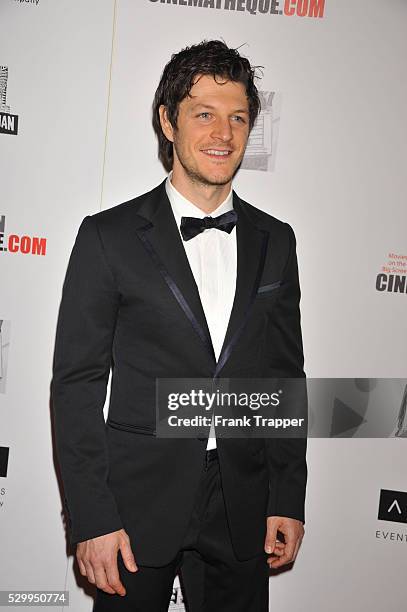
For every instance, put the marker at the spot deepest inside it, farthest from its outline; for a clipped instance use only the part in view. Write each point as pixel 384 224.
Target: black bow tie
pixel 192 226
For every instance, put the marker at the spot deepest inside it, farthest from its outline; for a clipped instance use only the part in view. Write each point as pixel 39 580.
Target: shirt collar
pixel 182 207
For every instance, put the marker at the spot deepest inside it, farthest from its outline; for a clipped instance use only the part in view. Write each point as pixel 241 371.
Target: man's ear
pixel 165 123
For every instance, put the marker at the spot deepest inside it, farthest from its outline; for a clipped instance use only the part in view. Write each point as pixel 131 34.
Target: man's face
pixel 212 130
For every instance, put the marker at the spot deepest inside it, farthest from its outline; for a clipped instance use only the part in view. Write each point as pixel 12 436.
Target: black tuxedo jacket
pixel 130 304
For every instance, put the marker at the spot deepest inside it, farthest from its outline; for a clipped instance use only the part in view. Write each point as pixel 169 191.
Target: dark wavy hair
pixel 208 57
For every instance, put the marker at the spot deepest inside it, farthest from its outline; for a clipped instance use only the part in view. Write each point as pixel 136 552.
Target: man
pixel 186 281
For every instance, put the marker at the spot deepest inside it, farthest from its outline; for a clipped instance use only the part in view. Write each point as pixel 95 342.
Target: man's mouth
pixel 220 153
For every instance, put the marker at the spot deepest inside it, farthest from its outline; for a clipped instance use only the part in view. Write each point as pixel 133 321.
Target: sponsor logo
pixel 17 243
pixel 4 452
pixel 391 536
pixel 287 8
pixel 391 282
pixel 393 274
pixel 393 506
pixel 8 121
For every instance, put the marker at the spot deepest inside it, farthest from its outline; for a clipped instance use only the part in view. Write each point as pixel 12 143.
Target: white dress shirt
pixel 212 256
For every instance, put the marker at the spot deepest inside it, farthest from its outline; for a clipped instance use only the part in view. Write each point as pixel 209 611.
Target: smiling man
pixel 209 138
pixel 186 281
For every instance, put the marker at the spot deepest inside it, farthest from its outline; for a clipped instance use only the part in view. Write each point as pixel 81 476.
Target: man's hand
pixel 97 559
pixel 293 531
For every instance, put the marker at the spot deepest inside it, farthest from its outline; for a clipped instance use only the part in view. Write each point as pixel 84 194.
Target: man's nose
pixel 222 130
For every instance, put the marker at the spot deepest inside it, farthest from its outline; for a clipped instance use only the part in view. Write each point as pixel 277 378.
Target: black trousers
pixel 211 577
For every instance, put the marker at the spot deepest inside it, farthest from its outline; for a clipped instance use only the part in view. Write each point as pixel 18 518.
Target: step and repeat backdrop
pixel 327 155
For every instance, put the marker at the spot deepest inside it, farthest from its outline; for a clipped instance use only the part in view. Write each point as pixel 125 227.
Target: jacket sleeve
pixel 287 456
pixel 81 367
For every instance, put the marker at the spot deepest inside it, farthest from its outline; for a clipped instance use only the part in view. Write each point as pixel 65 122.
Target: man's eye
pixel 204 115
pixel 239 118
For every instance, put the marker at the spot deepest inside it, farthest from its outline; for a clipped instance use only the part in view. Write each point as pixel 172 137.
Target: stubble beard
pixel 197 177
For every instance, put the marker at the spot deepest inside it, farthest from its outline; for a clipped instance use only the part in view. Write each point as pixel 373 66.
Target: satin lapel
pixel 251 252
pixel 161 239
